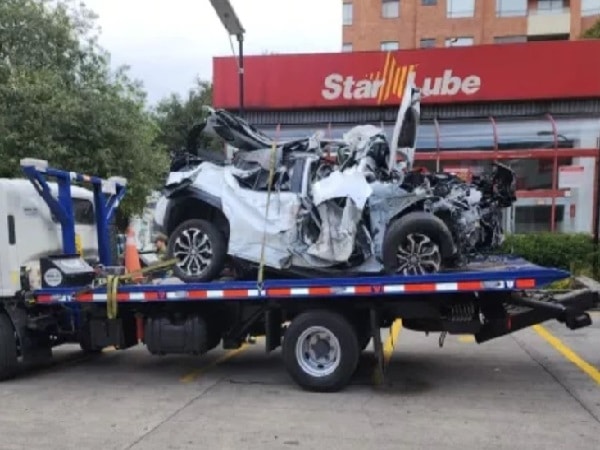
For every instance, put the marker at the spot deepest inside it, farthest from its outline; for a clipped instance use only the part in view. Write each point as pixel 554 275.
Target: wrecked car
pixel 300 209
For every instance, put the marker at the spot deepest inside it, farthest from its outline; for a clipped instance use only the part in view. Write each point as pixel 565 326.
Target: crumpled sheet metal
pixel 348 184
pixel 338 231
pixel 249 220
pixel 246 211
pixel 359 136
pixel 252 226
pixel 339 200
pixel 339 224
pixel 264 158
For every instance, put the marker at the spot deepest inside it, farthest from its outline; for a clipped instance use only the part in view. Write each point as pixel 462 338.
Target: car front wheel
pixel 200 250
pixel 416 244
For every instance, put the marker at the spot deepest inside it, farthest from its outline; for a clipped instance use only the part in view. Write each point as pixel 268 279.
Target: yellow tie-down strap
pixel 112 284
pixel 261 265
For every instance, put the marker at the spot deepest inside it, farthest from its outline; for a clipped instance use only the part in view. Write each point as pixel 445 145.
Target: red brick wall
pixel 418 22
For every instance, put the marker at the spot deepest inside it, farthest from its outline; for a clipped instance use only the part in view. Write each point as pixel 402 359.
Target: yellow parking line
pixel 388 349
pixel 388 346
pixel 466 339
pixel 196 373
pixel 569 354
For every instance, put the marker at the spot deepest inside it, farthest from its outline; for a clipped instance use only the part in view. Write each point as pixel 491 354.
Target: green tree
pixel 593 32
pixel 176 116
pixel 60 101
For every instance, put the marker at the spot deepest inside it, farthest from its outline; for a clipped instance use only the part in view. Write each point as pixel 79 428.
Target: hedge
pixel 569 251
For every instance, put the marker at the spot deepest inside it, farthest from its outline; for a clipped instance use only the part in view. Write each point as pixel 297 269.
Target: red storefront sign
pixel 527 71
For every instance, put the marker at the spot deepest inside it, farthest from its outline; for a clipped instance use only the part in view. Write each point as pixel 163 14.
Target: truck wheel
pixel 200 249
pixel 416 244
pixel 8 349
pixel 321 351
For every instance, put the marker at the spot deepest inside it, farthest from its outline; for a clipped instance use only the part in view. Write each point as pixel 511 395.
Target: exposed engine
pixel 475 208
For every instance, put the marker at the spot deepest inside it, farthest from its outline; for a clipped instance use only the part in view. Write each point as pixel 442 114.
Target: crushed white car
pixel 301 212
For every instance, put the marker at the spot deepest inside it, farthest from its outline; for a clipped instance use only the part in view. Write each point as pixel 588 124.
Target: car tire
pixel 334 371
pixel 214 250
pixel 434 244
pixel 8 349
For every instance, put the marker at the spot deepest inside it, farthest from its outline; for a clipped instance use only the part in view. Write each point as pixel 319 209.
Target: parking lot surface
pixel 536 389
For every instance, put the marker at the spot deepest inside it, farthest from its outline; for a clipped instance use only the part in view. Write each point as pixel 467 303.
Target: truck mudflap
pixel 523 310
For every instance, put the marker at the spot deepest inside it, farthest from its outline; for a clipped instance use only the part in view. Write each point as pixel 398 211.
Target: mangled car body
pixel 301 209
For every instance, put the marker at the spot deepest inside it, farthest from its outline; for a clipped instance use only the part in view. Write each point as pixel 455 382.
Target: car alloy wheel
pixel 193 251
pixel 418 255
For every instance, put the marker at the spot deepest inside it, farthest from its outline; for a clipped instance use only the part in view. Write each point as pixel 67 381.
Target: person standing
pixel 161 246
pixel 160 241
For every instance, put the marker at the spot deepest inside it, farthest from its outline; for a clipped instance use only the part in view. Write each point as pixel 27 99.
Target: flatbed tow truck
pixel 321 325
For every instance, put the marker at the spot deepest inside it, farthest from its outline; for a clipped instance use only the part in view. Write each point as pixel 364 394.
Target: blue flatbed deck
pixel 491 274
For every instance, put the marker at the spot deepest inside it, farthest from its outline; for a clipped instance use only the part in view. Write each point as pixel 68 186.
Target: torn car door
pixel 404 136
pixel 340 199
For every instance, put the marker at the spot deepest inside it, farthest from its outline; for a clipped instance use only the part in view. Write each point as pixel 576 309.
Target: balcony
pixel 549 22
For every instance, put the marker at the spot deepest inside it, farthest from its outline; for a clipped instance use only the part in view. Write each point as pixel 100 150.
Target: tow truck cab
pixel 30 231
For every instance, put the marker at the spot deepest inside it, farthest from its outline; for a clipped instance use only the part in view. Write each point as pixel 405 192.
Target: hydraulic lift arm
pixel 107 195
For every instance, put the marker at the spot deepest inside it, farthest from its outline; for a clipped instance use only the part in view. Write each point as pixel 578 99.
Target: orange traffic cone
pixel 132 257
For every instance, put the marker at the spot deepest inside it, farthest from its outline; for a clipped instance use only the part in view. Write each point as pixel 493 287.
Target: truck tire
pixel 215 246
pixel 8 349
pixel 321 351
pixel 418 243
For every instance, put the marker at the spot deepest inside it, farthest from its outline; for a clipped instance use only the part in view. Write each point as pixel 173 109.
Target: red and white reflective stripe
pixel 378 289
pixel 320 291
pixel 45 298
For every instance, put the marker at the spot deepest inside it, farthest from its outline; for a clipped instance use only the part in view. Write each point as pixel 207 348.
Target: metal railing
pixel 535 11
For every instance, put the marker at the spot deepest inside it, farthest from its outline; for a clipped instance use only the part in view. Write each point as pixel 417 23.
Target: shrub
pixel 569 251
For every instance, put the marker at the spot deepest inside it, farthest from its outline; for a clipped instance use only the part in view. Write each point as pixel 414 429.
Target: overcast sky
pixel 168 42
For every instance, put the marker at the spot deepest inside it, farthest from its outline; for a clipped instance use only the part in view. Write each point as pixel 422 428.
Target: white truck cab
pixel 29 231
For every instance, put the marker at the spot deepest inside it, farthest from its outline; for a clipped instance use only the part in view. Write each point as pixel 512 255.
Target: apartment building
pixel 410 24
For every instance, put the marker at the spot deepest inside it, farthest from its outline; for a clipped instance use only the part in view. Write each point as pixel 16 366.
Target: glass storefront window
pixel 426 138
pixel 290 132
pixel 537 218
pixel 474 167
pixel 535 173
pixel 431 166
pixel 522 134
pixel 579 133
pixel 476 135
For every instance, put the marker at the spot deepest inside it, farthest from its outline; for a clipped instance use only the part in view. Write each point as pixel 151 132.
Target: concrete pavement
pixel 518 391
